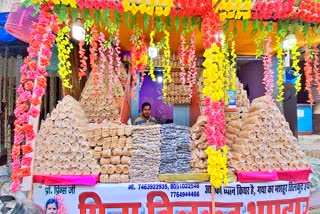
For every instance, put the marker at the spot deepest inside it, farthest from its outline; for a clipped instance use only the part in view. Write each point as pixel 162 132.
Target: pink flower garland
pixel 308 74
pixel 182 54
pixel 103 57
pixel 268 75
pixel 111 70
pixel 83 60
pixel 118 58
pixel 192 64
pixel 215 128
pixel 93 57
pixel 32 88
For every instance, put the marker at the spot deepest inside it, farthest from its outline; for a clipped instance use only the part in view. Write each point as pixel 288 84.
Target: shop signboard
pixel 179 198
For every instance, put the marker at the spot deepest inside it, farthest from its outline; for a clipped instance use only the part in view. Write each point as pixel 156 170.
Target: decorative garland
pixel 98 4
pixel 226 69
pixel 272 10
pixel 295 65
pixel 151 65
pixel 103 57
pixel 93 57
pixel 64 49
pixel 117 55
pixel 211 30
pixel 61 208
pixel 33 86
pixel 183 56
pixel 233 66
pixel 280 68
pixel 316 64
pixel 192 61
pixel 268 75
pixel 150 8
pixel 308 74
pixel 83 60
pixel 233 9
pixel 213 74
pixel 140 56
pixel 215 129
pixel 166 63
pixel 307 11
pixel 190 7
pixel 217 166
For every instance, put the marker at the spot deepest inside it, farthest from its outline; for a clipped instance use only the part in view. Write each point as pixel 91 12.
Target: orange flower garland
pixel 308 74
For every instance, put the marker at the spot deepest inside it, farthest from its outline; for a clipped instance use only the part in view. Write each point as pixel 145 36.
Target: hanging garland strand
pixel 308 74
pixel 64 49
pixel 103 57
pixel 83 60
pixel 94 57
pixel 316 64
pixel 268 76
pixel 295 65
pixel 192 61
pixel 166 63
pixel 233 56
pixel 280 68
pixel 151 65
pixel 183 59
pixel 33 87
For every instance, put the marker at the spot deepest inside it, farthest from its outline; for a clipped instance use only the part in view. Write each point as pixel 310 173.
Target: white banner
pixel 179 198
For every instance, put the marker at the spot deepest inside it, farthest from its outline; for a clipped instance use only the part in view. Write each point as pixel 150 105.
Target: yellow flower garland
pixel 295 65
pixel 166 63
pixel 280 69
pixel 233 9
pixel 233 67
pixel 213 74
pixel 64 49
pixel 159 8
pixel 217 166
pixel 151 66
pixel 227 68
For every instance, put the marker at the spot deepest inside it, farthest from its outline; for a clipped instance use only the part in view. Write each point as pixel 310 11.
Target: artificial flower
pixel 280 69
pixel 316 64
pixel 268 74
pixel 217 166
pixel 64 49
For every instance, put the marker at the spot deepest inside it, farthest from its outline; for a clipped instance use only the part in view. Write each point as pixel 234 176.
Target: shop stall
pixel 237 158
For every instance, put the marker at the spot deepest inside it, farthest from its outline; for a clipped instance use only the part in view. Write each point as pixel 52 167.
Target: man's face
pixel 51 209
pixel 146 111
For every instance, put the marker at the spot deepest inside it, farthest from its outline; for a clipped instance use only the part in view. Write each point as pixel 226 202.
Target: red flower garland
pixel 276 9
pixel 100 4
pixel 190 7
pixel 211 30
pixel 32 88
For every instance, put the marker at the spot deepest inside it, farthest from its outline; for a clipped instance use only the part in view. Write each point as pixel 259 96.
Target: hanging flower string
pixel 61 208
pixel 225 67
pixel 316 64
pixel 213 74
pixel 117 55
pixel 190 7
pixel 83 60
pixel 217 166
pixel 151 65
pixel 295 65
pixel 159 8
pixel 280 69
pixel 233 57
pixel 308 74
pixel 93 57
pixel 233 9
pixel 272 10
pixel 211 30
pixel 183 59
pixel 103 57
pixel 268 76
pixel 64 49
pixel 192 61
pixel 166 63
pixel 32 88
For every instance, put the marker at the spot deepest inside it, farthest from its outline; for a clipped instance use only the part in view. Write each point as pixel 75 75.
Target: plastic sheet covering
pixel 4 35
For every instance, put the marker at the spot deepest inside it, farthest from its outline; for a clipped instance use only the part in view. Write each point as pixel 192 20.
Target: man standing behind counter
pixel 145 118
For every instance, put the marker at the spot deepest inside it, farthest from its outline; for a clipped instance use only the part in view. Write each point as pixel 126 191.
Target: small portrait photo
pixel 51 206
